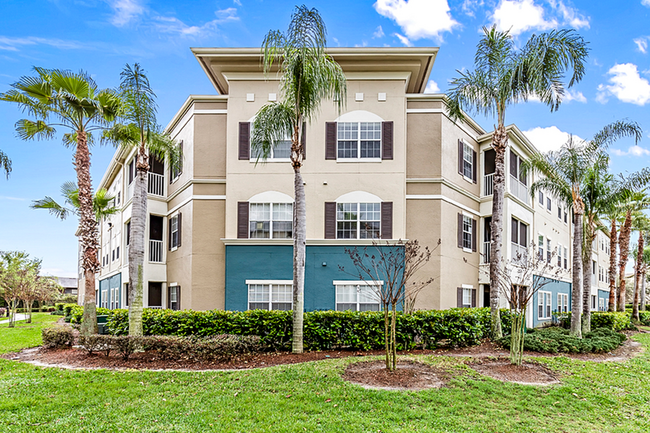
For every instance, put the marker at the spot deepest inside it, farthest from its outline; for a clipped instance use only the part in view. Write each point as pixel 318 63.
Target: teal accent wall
pixel 275 262
pixel 603 294
pixel 555 287
pixel 105 286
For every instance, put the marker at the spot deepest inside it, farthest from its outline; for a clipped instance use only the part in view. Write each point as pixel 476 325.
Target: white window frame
pixel 173 288
pixel 271 157
pixel 601 304
pixel 540 197
pixel 271 219
pixel 544 304
pixel 468 161
pixel 540 247
pixel 358 158
pixel 467 296
pixel 274 287
pixel 360 286
pixel 559 255
pixel 594 302
pixel 549 204
pixel 566 258
pixel 358 220
pixel 467 234
pixel 549 251
pixel 562 303
pixel 173 221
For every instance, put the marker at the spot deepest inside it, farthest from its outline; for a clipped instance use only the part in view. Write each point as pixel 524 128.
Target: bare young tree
pixel 389 270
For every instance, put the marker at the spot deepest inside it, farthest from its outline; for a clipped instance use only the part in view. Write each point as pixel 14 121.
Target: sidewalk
pixel 19 317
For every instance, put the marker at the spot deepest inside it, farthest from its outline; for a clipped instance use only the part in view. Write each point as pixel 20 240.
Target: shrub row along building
pixel 391 165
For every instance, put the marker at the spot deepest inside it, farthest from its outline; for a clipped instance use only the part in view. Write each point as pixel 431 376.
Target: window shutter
pixel 387 220
pixel 178 297
pixel 473 298
pixel 303 141
pixel 474 164
pixel 330 140
pixel 474 233
pixel 460 230
pixel 387 140
pixel 330 220
pixel 242 220
pixel 460 156
pixel 244 140
pixel 169 231
pixel 459 297
pixel 180 228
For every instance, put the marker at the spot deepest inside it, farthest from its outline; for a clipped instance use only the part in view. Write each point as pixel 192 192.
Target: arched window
pixel 268 215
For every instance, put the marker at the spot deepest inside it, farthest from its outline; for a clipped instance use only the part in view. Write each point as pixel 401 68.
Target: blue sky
pixel 101 36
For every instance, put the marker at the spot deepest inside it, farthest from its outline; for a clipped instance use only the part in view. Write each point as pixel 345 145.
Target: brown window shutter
pixel 178 297
pixel 387 140
pixel 459 297
pixel 474 165
pixel 474 232
pixel 242 220
pixel 244 140
pixel 460 230
pixel 169 244
pixel 330 140
pixel 180 228
pixel 460 156
pixel 387 220
pixel 330 220
pixel 303 141
pixel 473 298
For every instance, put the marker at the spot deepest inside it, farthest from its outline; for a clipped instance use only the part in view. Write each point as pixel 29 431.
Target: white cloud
pixel 469 6
pixel 174 25
pixel 6 197
pixel 125 11
pixel 379 33
pixel 574 96
pixel 403 39
pixel 13 44
pixel 645 3
pixel 418 19
pixel 432 87
pixel 550 138
pixel 237 2
pixel 632 151
pixel 642 43
pixel 520 16
pixel 626 85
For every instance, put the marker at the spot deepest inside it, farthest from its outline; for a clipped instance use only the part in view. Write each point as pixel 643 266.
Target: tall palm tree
pixel 102 203
pixel 612 212
pixel 635 202
pixel 5 163
pixel 57 98
pixel 563 175
pixel 641 223
pixel 505 76
pixel 141 131
pixel 308 75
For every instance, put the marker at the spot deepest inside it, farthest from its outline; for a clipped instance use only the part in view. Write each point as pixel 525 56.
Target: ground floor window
pixel 357 296
pixel 174 297
pixel 593 302
pixel 270 295
pixel 601 304
pixel 562 303
pixel 543 305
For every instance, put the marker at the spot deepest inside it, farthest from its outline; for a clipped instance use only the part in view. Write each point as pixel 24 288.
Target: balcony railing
pixel 518 189
pixel 155 251
pixel 129 191
pixel 488 184
pixel 485 256
pixel 156 185
pixel 519 253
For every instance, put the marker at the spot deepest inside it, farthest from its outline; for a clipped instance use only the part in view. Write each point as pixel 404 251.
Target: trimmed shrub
pixel 126 345
pixel 92 343
pixel 555 339
pixel 615 321
pixel 57 337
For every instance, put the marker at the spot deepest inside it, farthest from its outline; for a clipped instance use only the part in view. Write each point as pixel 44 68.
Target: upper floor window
pixel 358 140
pixel 548 204
pixel 175 231
pixel 516 171
pixel 177 170
pixel 468 161
pixel 271 221
pixel 467 232
pixel 559 211
pixel 280 150
pixel 540 195
pixel 358 220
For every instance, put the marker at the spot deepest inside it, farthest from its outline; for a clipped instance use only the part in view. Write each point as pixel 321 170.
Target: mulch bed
pixel 409 375
pixel 526 374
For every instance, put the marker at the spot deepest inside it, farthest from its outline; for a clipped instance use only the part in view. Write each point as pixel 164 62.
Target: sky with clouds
pixel 101 36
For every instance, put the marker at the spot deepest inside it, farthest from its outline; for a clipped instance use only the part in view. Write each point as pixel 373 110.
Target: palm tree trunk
pixel 586 290
pixel 88 229
pixel 500 144
pixel 299 252
pixel 136 244
pixel 624 246
pixel 637 278
pixel 576 293
pixel 613 243
pixel 643 288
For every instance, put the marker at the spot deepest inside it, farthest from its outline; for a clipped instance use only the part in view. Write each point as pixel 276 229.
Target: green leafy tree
pixel 140 131
pixel 18 274
pixel 73 101
pixel 308 75
pixel 504 76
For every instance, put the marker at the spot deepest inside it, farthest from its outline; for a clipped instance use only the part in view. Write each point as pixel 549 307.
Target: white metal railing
pixel 155 251
pixel 519 252
pixel 129 191
pixel 518 189
pixel 156 184
pixel 488 184
pixel 126 255
pixel 485 257
pixel 593 280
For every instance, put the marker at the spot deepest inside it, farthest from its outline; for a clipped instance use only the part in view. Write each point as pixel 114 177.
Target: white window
pixel 601 304
pixel 281 150
pixel 178 170
pixel 541 247
pixel 562 303
pixel 467 297
pixel 548 204
pixel 540 194
pixel 357 296
pixel 559 256
pixel 174 293
pixel 566 255
pixel 271 221
pixel 467 232
pixel 543 305
pixel 548 251
pixel 358 140
pixel 270 295
pixel 174 232
pixel 565 217
pixel 468 161
pixel 358 220
pixel 593 302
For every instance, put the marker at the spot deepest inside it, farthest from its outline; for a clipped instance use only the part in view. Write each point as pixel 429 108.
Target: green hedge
pixel 555 339
pixel 615 321
pixel 323 330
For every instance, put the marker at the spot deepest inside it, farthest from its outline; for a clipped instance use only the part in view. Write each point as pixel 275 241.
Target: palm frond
pixel 52 206
pixel 273 123
pixel 28 130
pixel 103 204
pixel 615 131
pixel 5 163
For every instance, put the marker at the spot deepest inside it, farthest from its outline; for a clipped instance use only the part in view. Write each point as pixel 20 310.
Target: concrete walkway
pixel 19 317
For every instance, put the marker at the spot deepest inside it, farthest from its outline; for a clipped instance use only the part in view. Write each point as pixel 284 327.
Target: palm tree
pixel 641 223
pixel 635 202
pixel 140 131
pixel 309 75
pixel 5 163
pixel 57 98
pixel 102 203
pixel 505 76
pixel 564 173
pixel 612 212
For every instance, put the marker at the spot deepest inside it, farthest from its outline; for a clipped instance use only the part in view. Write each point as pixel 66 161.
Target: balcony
pixel 488 184
pixel 519 253
pixel 518 189
pixel 156 184
pixel 155 251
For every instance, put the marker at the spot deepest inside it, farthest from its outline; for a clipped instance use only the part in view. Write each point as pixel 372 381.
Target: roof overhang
pixel 414 61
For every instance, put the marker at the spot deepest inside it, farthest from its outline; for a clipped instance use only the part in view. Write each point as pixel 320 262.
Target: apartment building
pixel 391 165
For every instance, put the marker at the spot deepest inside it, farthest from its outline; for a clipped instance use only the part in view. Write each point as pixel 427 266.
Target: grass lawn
pixel 25 334
pixel 312 397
